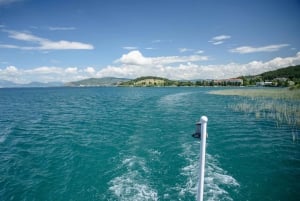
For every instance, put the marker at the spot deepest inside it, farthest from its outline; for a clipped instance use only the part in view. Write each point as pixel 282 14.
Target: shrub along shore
pixel 274 93
pixel 279 104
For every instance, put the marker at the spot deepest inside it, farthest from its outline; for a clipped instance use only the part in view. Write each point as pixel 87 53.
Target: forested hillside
pixel 291 72
pixel 281 77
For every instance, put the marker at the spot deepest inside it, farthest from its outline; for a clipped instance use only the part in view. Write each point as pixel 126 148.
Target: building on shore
pixel 231 81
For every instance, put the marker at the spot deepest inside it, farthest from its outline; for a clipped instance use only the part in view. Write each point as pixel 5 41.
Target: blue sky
pixel 68 40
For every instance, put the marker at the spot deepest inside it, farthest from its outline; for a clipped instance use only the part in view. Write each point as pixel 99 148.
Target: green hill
pixel 279 77
pixel 149 81
pixel 291 72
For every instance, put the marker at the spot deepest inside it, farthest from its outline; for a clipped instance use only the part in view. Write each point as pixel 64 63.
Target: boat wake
pixel 216 182
pixel 133 185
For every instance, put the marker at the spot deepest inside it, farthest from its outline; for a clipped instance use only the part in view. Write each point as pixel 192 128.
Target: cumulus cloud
pixel 136 58
pixel 249 49
pixel 190 70
pixel 72 70
pixel 217 40
pixel 43 43
pixel 11 69
pixel 90 70
pixel 45 74
pixel 134 64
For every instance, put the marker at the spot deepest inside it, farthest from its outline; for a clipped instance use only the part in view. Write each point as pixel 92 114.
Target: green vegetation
pixel 274 93
pixel 152 81
pixel 283 77
pixel 149 81
pixel 297 86
pixel 292 73
pixel 280 104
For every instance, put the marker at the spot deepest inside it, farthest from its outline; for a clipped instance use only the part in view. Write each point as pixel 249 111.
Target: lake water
pixel 135 144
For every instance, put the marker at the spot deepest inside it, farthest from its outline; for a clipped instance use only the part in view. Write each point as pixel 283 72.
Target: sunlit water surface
pixel 136 144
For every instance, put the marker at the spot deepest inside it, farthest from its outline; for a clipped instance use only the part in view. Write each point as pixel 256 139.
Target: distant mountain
pixel 9 84
pixel 280 77
pixel 105 81
pixel 40 84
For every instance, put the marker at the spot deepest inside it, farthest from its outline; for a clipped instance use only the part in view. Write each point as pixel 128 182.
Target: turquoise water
pixel 136 144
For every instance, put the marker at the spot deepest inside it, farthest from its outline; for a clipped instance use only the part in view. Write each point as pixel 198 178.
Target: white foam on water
pixel 132 185
pixel 133 160
pixel 154 154
pixel 173 99
pixel 4 133
pixel 2 138
pixel 216 179
pixel 189 171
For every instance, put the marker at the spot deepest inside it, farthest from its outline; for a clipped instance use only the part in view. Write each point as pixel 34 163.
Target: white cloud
pixel 72 70
pixel 185 50
pixel 157 41
pixel 178 59
pixel 90 70
pixel 44 44
pixel 11 69
pixel 45 74
pixel 217 40
pixel 62 28
pixel 150 48
pixel 221 37
pixel 189 70
pixel 199 52
pixel 130 48
pixel 249 49
pixel 43 70
pixel 136 58
pixel 64 45
pixel 24 36
pixel 9 46
pixel 6 2
pixel 137 65
pixel 10 73
pixel 161 41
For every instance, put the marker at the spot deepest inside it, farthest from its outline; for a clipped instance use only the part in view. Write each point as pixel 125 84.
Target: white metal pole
pixel 203 121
